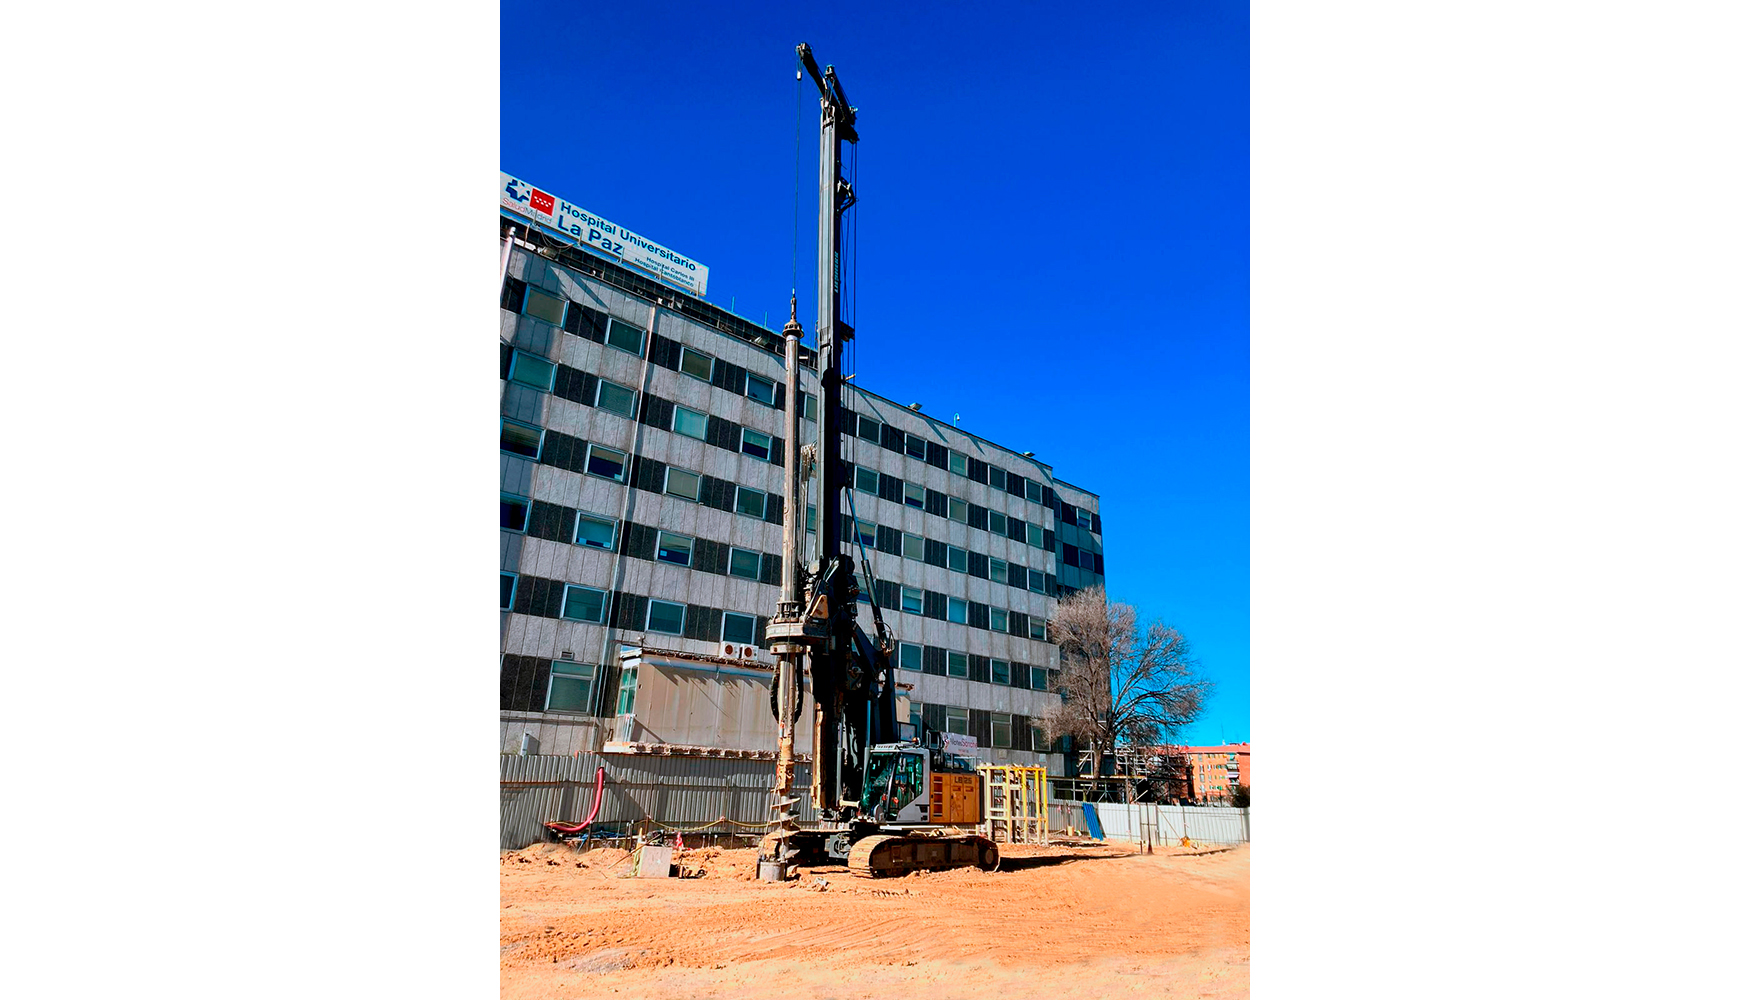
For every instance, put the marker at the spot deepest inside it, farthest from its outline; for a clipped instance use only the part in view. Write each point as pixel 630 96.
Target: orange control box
pixel 954 798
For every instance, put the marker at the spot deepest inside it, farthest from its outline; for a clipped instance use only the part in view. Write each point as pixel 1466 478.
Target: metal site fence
pixel 716 797
pixel 1165 824
pixel 707 796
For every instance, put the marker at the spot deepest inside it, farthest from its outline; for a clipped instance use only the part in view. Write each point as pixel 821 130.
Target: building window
pixel 999 525
pixel 957 610
pixel 999 619
pixel 868 429
pixel 513 512
pixel 519 438
pixel 999 479
pixel 666 617
pixel 999 671
pixel 696 364
pixel 1036 630
pixel 957 463
pixel 912 546
pixel 673 548
pixel 756 444
pixel 628 690
pixel 956 559
pixel 1035 492
pixel 811 515
pixel 595 531
pixel 1035 535
pixel 865 531
pixel 689 422
pixel 957 509
pixel 868 480
pixel 569 685
pixel 506 590
pixel 999 729
pixel 738 628
pixel 914 495
pixel 615 398
pixel 760 390
pixel 606 463
pixel 544 306
pixel 999 570
pixel 744 564
pixel 750 502
pixel 810 407
pixel 1036 581
pixel 915 447
pixel 911 600
pixel 584 604
pixel 1040 743
pixel 681 483
pixel 956 664
pixel 957 721
pixel 532 371
pixel 626 337
pixel 911 656
pixel 1038 678
pixel 1083 520
pixel 917 719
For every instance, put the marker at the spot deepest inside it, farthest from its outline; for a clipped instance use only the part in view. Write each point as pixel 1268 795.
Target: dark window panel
pixel 720 433
pixel 778 394
pixel 978 668
pixel 1096 525
pixel 1072 556
pixel 936 661
pixel 935 552
pixel 771 568
pixel 1018 623
pixel 891 488
pixel 935 454
pixel 977 517
pixel 759 629
pixel 1050 541
pixel 976 470
pixel 893 439
pixel 978 615
pixel 1017 530
pixel 774 508
pixel 887 540
pixel 777 450
pixel 512 296
pixel 551 521
pixel 935 503
pixel 978 564
pixel 1018 575
pixel 504 355
pixel 1100 564
pixel 935 605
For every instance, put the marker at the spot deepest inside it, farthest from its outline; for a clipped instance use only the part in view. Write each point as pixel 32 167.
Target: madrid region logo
pixel 534 197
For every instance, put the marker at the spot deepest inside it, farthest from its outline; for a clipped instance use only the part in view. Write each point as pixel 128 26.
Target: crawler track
pixel 898 854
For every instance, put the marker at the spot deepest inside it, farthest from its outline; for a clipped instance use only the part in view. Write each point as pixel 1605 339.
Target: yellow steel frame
pixel 1015 803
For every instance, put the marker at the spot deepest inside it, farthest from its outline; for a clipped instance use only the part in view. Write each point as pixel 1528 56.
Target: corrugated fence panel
pixel 1205 824
pixel 720 795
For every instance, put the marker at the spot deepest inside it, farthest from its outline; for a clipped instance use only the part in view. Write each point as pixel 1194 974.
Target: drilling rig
pixel 885 806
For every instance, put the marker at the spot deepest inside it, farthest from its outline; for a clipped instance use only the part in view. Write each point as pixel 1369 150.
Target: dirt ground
pixel 1086 920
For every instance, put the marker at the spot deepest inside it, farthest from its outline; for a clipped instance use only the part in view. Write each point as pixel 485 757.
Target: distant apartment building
pixel 641 495
pixel 1213 772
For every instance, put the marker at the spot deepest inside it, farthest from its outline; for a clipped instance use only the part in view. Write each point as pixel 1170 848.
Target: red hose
pixel 601 774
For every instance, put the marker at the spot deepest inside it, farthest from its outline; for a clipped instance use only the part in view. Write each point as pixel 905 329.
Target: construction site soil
pixel 1083 919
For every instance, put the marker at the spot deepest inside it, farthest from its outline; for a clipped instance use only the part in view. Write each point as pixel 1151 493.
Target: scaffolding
pixel 1015 804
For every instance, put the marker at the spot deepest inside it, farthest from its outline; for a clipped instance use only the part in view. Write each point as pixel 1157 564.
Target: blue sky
pixel 1052 233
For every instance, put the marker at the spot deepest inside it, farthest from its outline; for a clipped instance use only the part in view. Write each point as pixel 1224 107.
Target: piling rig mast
pixel 851 675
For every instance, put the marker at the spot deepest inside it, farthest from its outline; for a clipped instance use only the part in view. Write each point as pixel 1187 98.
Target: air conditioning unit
pixel 747 652
pixel 729 650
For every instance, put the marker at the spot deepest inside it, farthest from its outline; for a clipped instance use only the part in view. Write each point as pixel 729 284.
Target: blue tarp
pixel 1094 827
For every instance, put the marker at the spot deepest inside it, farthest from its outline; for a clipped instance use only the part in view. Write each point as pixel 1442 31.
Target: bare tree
pixel 1123 684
